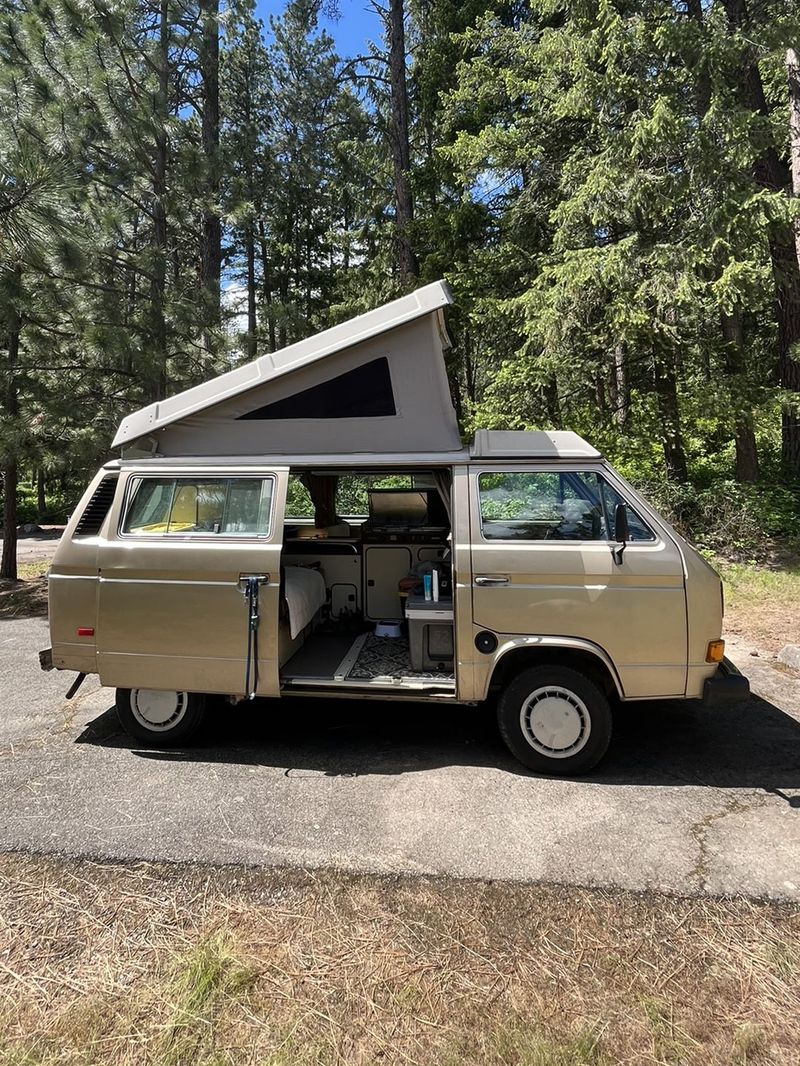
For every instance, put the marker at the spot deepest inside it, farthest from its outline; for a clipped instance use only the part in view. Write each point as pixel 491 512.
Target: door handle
pixel 485 579
pixel 244 579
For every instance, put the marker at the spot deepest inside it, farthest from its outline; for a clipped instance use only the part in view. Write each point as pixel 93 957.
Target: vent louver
pixel 97 508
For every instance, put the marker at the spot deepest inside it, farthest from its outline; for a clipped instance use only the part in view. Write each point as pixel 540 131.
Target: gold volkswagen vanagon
pixel 310 524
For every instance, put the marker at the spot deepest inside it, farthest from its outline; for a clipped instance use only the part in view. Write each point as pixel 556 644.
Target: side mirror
pixel 621 531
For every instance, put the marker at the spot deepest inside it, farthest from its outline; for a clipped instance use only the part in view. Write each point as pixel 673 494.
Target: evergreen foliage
pixel 612 188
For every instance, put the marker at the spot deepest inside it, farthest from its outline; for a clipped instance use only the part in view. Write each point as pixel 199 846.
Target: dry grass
pixel 761 604
pixel 26 598
pixel 137 965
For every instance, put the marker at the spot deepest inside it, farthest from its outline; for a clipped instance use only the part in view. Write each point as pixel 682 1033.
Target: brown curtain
pixel 322 490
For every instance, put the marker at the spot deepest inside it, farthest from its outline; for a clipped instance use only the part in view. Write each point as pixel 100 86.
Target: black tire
pixel 189 713
pixel 583 705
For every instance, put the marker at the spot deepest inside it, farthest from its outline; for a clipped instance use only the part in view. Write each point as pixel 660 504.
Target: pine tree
pixel 618 151
pixel 400 140
pixel 246 89
pixel 110 315
pixel 33 188
pixel 308 200
pixel 772 173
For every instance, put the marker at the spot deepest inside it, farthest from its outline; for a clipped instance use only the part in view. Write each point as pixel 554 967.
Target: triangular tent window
pixel 365 392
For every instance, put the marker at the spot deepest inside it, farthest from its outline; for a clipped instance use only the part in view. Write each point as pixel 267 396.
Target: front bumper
pixel 726 686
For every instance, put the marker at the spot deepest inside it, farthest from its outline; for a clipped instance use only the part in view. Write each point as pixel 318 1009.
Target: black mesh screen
pixel 365 392
pixel 97 508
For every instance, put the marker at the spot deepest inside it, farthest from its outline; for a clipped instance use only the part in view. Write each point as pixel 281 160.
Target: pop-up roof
pixel 376 383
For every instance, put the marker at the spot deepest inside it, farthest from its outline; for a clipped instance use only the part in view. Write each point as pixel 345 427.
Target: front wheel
pixel 555 720
pixel 159 717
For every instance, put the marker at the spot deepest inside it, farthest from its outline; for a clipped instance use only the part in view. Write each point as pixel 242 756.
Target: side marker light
pixel 716 651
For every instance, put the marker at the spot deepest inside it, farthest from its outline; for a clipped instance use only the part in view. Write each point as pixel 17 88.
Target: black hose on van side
pixel 251 597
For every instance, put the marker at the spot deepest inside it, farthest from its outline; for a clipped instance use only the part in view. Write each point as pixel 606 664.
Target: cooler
pixel 430 633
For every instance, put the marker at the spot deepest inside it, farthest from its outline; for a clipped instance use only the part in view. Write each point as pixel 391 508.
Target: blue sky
pixel 357 24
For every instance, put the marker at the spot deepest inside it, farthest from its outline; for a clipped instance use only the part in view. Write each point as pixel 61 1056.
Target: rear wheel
pixel 555 720
pixel 160 717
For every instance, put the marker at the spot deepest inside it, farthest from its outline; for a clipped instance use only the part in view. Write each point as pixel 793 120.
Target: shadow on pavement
pixel 752 745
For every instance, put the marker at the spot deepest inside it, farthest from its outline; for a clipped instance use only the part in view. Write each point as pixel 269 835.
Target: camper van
pixel 311 525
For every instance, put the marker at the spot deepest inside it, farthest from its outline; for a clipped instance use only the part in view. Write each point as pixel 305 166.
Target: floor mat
pixel 319 656
pixel 389 657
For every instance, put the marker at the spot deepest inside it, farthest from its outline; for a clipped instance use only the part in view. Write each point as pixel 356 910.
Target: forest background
pixel 611 188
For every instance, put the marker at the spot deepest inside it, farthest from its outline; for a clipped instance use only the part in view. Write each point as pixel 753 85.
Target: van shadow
pixel 750 745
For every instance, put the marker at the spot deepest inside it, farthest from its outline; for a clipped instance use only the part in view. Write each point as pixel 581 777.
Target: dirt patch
pixel 761 605
pixel 26 598
pixel 122 965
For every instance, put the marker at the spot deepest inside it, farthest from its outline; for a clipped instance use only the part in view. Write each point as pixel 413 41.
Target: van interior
pixel 366 581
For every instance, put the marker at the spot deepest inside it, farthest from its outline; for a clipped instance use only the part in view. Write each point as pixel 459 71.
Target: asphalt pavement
pixel 688 800
pixel 38 547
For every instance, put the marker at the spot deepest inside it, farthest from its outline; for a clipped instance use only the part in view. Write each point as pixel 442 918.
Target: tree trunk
pixel 787 282
pixel 552 402
pixel 131 294
pixel 266 287
pixel 252 320
pixel 671 437
pixel 793 76
pixel 401 151
pixel 620 389
pixel 773 175
pixel 346 232
pixel 470 366
pixel 694 9
pixel 8 563
pixel 790 365
pixel 158 285
pixel 308 268
pixel 41 500
pixel 211 250
pixel 283 294
pixel 747 465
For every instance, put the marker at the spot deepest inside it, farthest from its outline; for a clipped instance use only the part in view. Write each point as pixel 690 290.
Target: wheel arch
pixel 516 655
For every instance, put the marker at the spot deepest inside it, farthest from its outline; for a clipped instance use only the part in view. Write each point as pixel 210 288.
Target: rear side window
pixel 558 505
pixel 97 508
pixel 169 506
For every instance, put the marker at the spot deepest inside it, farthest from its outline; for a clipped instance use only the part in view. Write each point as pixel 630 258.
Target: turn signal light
pixel 85 631
pixel 716 651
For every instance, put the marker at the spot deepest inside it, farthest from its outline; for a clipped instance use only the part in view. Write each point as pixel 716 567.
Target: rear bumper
pixel 726 686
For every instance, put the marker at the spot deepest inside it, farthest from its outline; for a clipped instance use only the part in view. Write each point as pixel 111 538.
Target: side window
pixel 540 506
pixel 637 529
pixel 550 505
pixel 298 499
pixel 211 506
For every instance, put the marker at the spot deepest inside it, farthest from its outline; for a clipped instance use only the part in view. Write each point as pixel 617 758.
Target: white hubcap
pixel 555 722
pixel 158 710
